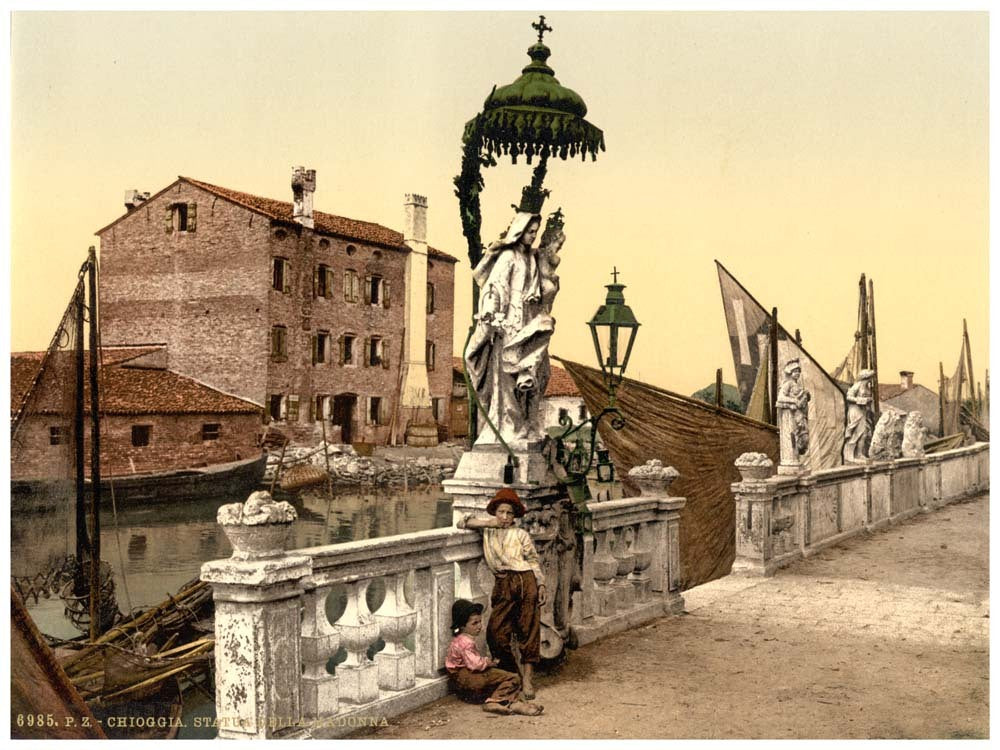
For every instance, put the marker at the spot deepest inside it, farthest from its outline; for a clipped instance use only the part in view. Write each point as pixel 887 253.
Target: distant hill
pixel 730 396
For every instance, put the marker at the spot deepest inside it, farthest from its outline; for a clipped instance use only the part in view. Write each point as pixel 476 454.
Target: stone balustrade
pixel 780 519
pixel 299 636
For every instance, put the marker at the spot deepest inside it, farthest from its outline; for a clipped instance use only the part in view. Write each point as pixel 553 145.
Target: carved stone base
pixel 395 671
pixel 480 473
pixel 320 696
pixel 358 684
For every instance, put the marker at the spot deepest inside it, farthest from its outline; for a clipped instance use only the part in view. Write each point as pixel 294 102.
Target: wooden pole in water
pixel 82 542
pixel 718 387
pixel 874 359
pixel 941 400
pixel 798 337
pixel 774 365
pixel 95 455
pixel 326 454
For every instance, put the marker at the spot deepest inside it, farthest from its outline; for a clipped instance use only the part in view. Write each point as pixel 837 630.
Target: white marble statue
pixel 507 357
pixel 887 438
pixel 859 418
pixel 793 415
pixel 913 435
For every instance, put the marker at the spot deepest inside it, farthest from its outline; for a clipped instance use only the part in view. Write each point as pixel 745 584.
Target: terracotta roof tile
pixel 363 231
pixel 560 382
pixel 125 390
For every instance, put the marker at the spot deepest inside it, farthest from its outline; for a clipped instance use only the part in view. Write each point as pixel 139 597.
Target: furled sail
pixel 701 441
pixel 749 327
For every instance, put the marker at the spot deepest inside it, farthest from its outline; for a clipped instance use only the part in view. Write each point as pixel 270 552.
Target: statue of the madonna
pixel 507 356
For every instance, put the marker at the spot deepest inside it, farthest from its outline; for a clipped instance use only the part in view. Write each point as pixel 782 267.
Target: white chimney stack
pixel 303 187
pixel 415 397
pixel 906 379
pixel 415 220
pixel 133 198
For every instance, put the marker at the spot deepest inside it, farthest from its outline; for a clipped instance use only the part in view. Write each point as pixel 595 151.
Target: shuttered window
pixel 279 343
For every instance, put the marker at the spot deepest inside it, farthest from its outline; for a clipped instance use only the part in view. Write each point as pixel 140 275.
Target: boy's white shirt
pixel 510 549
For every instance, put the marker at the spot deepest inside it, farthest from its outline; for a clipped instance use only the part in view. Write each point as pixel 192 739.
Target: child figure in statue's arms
pixel 474 676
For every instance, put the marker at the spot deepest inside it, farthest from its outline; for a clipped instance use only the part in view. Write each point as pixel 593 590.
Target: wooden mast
pixel 968 364
pixel 95 456
pixel 941 400
pixel 874 348
pixel 82 543
pixel 718 387
pixel 774 365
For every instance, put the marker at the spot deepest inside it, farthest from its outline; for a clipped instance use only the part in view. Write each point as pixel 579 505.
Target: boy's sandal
pixel 526 709
pixel 496 708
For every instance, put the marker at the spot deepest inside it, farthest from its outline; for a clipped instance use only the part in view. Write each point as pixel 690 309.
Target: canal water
pixel 156 549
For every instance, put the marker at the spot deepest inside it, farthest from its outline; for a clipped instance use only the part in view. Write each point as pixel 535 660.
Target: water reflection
pixel 155 549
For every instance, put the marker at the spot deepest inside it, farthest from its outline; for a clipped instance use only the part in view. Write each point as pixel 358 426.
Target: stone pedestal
pixel 258 659
pixel 791 462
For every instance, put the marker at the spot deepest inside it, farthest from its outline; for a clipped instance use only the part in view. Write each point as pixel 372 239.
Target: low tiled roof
pixel 352 229
pixel 560 382
pixel 125 390
pixel 889 390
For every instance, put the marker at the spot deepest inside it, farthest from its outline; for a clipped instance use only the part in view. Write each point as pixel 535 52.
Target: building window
pixel 279 343
pixel 563 415
pixel 140 435
pixel 321 408
pixel 429 355
pixel 583 412
pixel 376 410
pixel 430 298
pixel 281 275
pixel 274 406
pixel 436 409
pixel 376 352
pixel 210 431
pixel 293 409
pixel 347 349
pixel 57 435
pixel 181 217
pixel 376 291
pixel 352 285
pixel 321 347
pixel 351 249
pixel 323 281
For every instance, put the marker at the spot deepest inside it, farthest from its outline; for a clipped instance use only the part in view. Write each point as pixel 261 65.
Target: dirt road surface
pixel 883 636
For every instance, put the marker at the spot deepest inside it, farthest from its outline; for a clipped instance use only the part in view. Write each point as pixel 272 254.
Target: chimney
pixel 133 198
pixel 906 379
pixel 415 219
pixel 303 187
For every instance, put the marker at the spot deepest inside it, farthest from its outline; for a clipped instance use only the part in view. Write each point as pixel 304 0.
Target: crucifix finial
pixel 614 273
pixel 540 27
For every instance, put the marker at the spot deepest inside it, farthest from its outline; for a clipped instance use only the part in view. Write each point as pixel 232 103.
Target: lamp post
pixel 614 328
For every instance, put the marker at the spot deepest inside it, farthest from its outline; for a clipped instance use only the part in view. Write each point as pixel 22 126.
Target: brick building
pixel 305 313
pixel 152 419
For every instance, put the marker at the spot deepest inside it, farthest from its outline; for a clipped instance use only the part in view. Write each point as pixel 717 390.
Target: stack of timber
pixel 699 440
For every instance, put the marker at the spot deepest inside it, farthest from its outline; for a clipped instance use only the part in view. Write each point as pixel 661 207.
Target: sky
pixel 799 149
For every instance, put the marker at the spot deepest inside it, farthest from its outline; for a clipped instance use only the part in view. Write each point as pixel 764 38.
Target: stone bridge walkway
pixel 883 636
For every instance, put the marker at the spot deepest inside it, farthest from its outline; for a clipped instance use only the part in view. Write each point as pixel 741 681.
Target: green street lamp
pixel 613 329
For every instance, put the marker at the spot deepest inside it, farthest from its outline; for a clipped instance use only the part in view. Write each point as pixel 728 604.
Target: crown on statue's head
pixel 532 199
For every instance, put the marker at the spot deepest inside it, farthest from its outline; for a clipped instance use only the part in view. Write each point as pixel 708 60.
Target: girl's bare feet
pixel 496 708
pixel 526 709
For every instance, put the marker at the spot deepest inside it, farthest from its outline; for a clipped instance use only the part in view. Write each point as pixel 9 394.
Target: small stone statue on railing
pixel 860 418
pixel 913 435
pixel 257 528
pixel 887 438
pixel 793 419
pixel 653 477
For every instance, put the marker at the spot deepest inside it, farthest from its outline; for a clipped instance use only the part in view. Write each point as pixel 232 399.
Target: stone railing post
pixel 257 593
pixel 435 593
pixel 753 514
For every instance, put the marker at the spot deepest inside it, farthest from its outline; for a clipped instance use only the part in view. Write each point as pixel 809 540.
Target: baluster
pixel 624 592
pixel 584 604
pixel 642 548
pixel 604 566
pixel 396 620
pixel 358 631
pixel 320 641
pixel 469 587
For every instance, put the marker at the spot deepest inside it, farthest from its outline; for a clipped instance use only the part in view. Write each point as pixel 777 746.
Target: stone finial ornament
pixel 754 467
pixel 257 528
pixel 653 477
pixel 913 435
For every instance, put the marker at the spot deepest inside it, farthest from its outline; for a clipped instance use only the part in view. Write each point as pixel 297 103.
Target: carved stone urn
pixel 259 528
pixel 754 467
pixel 653 477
